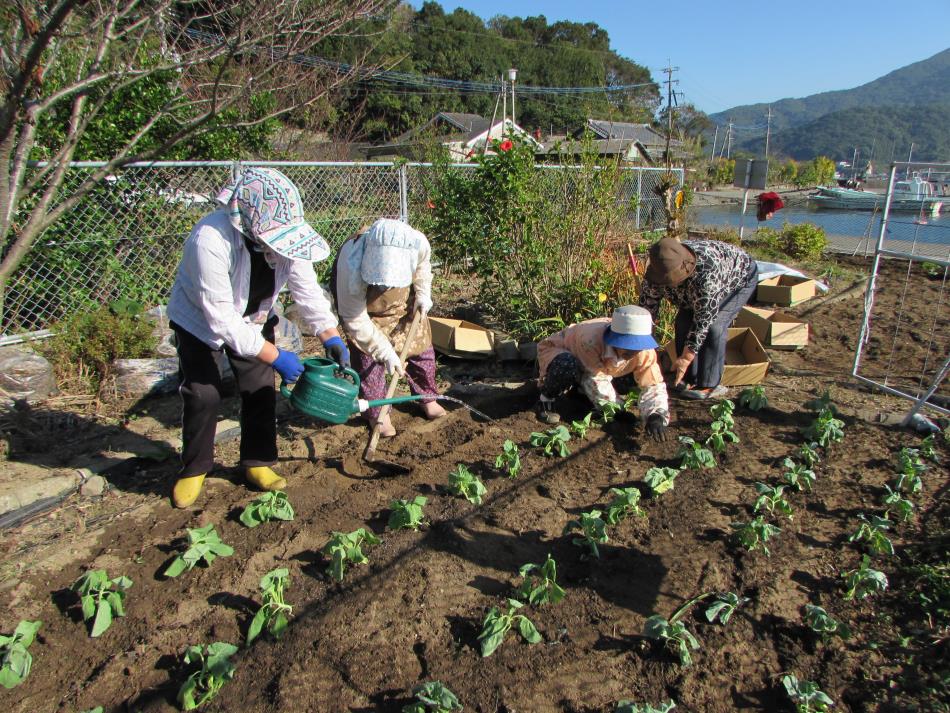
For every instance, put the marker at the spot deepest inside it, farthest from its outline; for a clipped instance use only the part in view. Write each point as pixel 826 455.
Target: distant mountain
pixel 883 134
pixel 922 83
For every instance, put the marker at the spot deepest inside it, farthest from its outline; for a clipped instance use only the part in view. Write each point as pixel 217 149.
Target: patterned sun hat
pixel 263 204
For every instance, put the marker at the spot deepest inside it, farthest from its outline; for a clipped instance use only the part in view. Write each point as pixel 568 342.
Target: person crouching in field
pixel 592 354
pixel 381 278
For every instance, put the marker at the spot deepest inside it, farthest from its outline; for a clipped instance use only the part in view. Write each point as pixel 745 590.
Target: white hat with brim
pixel 297 242
pixel 392 253
pixel 631 328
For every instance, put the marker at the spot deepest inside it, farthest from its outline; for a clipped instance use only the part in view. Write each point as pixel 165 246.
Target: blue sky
pixel 742 52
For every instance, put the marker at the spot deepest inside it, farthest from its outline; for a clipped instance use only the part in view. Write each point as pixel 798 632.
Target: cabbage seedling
pixel 15 658
pixel 347 548
pixel 465 483
pixel 101 598
pixel 822 623
pixel 406 514
pixel 772 498
pixel 631 707
pixel 720 436
pixel 903 507
pixel 724 607
pixel 433 697
pixel 911 483
pixel 825 429
pixel 274 611
pixel 693 455
pixel 864 581
pixel 580 428
pixel 928 449
pixel 510 459
pixel 625 503
pixel 539 586
pixel 806 695
pixel 269 506
pixel 723 411
pixel 753 535
pixel 809 455
pixel 798 475
pixel 592 527
pixel 204 544
pixel 753 398
pixel 874 532
pixel 608 411
pixel 216 670
pixel 822 403
pixel 631 402
pixel 674 634
pixel 496 625
pixel 661 479
pixel 552 442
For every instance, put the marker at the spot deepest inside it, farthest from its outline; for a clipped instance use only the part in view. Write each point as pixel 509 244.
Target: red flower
pixel 430 205
pixel 506 145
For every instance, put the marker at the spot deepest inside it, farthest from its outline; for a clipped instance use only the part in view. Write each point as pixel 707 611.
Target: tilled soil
pixel 413 613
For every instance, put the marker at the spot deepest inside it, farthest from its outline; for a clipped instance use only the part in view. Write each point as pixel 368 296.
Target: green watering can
pixel 331 393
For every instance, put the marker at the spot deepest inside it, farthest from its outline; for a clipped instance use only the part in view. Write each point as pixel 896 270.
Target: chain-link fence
pixel 124 239
pixel 904 344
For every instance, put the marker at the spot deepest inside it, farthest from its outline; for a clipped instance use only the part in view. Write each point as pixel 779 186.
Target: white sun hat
pixel 391 253
pixel 631 327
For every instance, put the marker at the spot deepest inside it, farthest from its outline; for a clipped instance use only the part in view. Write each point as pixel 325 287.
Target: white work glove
pixel 391 361
pixel 423 304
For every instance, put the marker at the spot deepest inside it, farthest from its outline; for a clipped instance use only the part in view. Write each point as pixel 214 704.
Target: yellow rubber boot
pixel 186 490
pixel 264 478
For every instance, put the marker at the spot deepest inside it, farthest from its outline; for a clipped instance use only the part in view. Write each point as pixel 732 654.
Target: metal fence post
pixel 639 194
pixel 403 194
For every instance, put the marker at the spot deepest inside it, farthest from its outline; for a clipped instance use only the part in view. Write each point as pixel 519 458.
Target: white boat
pixel 914 195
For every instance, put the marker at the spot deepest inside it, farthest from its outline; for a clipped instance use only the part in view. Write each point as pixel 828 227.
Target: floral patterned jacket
pixel 721 269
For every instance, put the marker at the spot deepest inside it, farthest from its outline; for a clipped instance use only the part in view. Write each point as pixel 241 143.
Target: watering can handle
pixel 347 371
pixel 284 391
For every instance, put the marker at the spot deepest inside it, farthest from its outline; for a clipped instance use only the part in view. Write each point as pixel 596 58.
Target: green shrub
pixel 86 344
pixel 805 241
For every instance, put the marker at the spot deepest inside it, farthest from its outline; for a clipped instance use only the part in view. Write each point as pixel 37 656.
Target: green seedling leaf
pixel 465 483
pixel 723 608
pixel 693 455
pixel 873 531
pixel 822 403
pixel 928 449
pixel 204 545
pixel 903 507
pixel 822 623
pixel 15 659
pixel 101 599
pixel 720 436
pixel 809 455
pixel 806 695
pixel 215 669
pixel 798 476
pixel 825 429
pixel 608 411
pixel 540 585
pixel 772 498
pixel 407 514
pixel 626 502
pixel 498 624
pixel 580 428
pixel 864 581
pixel 661 479
pixel 753 398
pixel 675 636
pixel 433 697
pixel 272 505
pixel 631 707
pixel 510 459
pixel 753 535
pixel 593 530
pixel 274 613
pixel 552 442
pixel 347 549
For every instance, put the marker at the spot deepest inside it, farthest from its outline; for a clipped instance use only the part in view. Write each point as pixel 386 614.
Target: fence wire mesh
pixel 123 240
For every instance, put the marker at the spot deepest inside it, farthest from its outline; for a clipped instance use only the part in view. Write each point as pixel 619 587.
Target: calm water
pixel 901 226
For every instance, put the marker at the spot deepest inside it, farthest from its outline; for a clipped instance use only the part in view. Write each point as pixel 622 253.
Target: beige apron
pixel 389 308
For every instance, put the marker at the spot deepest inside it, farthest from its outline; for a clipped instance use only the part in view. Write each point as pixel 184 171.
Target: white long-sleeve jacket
pixel 211 289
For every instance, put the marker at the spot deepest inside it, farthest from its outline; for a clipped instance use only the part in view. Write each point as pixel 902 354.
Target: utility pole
pixel 729 141
pixel 669 108
pixel 715 139
pixel 768 130
pixel 512 76
pixel 504 106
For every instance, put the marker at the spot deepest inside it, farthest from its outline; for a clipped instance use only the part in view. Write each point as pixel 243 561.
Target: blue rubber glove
pixel 288 365
pixel 337 351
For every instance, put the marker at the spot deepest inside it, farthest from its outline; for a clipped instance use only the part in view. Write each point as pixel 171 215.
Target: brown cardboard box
pixel 458 338
pixel 785 290
pixel 776 330
pixel 746 360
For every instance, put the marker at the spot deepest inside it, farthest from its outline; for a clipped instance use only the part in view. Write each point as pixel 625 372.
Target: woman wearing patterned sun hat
pixel 234 264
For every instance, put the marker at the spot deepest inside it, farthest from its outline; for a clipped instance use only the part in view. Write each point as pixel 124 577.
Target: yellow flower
pixel 601 298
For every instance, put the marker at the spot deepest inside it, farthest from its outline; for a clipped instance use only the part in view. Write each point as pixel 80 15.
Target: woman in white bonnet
pixel 382 277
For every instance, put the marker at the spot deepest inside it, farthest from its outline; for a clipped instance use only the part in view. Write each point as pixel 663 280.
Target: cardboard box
pixel 776 330
pixel 785 290
pixel 747 362
pixel 458 338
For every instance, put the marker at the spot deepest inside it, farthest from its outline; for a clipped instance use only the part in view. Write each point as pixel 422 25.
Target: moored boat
pixel 913 195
